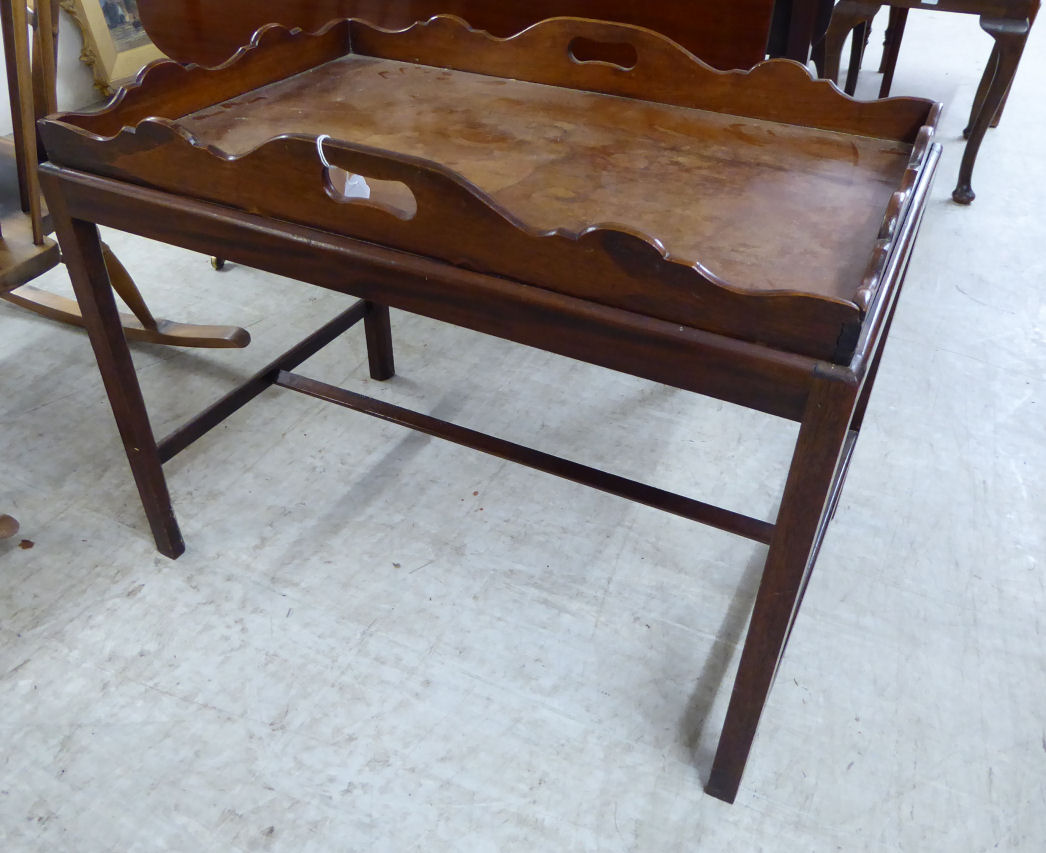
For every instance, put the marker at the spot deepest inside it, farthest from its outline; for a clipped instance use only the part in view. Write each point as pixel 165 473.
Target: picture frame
pixel 115 44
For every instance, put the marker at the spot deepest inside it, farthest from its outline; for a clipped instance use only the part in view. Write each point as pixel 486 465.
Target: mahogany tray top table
pixel 742 235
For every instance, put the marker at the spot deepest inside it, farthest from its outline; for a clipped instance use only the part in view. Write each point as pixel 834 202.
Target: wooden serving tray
pixel 755 204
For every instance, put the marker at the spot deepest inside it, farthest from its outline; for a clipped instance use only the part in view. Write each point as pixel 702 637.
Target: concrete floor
pixel 380 642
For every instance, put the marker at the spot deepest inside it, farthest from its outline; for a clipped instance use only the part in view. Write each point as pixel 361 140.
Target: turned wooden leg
pixel 378 330
pixel 82 250
pixel 804 509
pixel 892 48
pixel 846 17
pixel 1010 37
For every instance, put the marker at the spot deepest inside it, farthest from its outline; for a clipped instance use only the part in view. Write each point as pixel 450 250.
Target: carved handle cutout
pixel 619 54
pixel 393 197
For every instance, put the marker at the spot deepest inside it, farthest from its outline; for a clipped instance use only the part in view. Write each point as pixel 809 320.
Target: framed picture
pixel 116 45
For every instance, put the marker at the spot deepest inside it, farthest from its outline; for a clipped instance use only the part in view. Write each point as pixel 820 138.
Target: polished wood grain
pixel 523 190
pixel 725 35
pixel 512 144
pixel 537 173
pixel 86 263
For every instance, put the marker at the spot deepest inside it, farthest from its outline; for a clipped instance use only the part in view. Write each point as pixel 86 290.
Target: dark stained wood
pixel 1008 22
pixel 666 74
pixel 768 380
pixel 724 34
pixel 830 428
pixel 798 26
pixel 685 231
pixel 799 522
pixel 83 256
pixel 662 73
pixel 232 402
pixel 733 522
pixel 378 329
pixel 891 48
pixel 534 214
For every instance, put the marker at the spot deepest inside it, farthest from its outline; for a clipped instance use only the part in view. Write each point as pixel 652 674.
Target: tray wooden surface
pixel 727 191
pixel 757 204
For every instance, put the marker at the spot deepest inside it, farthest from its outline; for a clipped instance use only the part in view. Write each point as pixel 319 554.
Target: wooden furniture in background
pixel 725 35
pixel 769 222
pixel 1008 22
pixel 30 38
pixel 798 26
pixel 26 252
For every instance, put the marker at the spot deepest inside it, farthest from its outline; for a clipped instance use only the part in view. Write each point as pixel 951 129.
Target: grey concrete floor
pixel 379 642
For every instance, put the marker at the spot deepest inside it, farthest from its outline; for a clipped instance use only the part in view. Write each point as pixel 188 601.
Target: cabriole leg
pixel 804 510
pixel 1010 36
pixel 982 90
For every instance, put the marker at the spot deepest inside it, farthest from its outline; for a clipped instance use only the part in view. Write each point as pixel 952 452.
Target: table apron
pixel 735 371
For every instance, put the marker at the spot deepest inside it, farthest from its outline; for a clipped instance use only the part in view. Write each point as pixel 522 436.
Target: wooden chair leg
pixel 378 331
pixel 7 22
pixel 846 17
pixel 892 49
pixel 887 40
pixel 998 113
pixel 817 56
pixel 862 32
pixel 82 249
pixel 1010 37
pixel 982 89
pixel 1006 97
pixel 800 524
pixel 25 142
